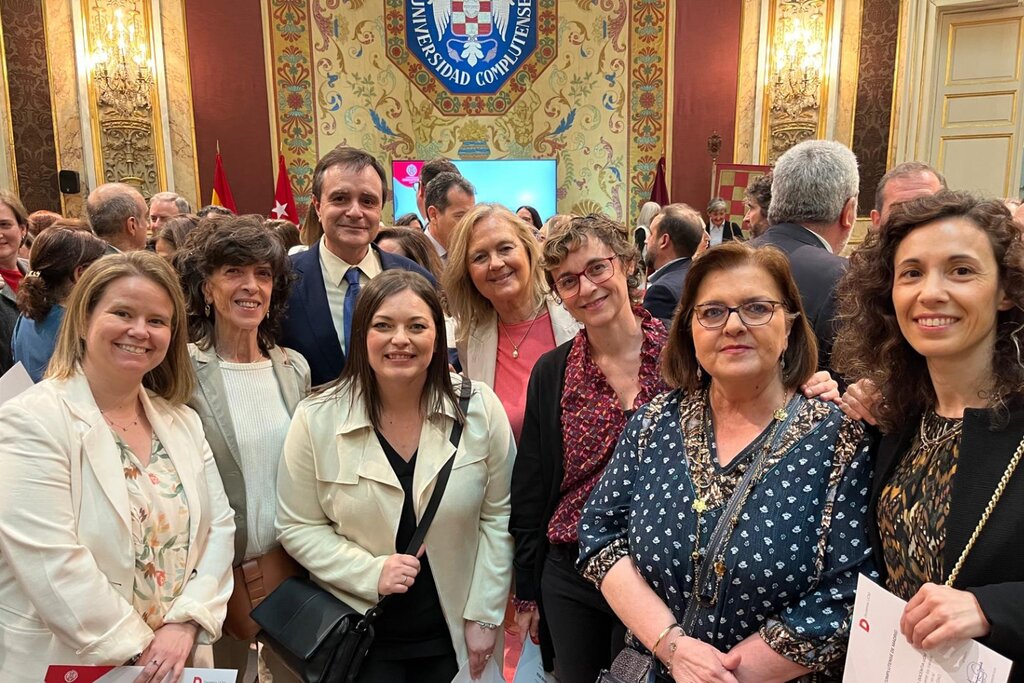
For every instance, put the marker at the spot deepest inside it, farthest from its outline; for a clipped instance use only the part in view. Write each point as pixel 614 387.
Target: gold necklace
pixel 515 347
pixel 929 442
pixel 700 504
pixel 123 428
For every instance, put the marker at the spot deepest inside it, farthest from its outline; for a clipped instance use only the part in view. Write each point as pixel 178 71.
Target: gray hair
pixel 812 183
pixel 904 170
pixel 647 213
pixel 718 204
pixel 180 203
pixel 109 208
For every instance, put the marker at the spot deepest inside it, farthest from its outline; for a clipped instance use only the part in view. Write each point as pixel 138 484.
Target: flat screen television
pixel 512 182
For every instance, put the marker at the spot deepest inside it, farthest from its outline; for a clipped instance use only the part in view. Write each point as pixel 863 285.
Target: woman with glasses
pixel 729 528
pixel 579 398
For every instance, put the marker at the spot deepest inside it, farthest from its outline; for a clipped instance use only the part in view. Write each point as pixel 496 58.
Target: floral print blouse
pixel 800 539
pixel 160 530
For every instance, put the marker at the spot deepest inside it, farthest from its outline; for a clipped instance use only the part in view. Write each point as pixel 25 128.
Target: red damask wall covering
pixel 229 95
pixel 707 44
pixel 31 112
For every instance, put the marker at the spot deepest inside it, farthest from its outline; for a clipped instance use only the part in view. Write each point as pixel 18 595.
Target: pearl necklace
pixel 515 346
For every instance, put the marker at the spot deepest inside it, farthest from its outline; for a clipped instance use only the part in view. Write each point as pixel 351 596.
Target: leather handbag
pixel 316 635
pixel 632 666
pixel 255 579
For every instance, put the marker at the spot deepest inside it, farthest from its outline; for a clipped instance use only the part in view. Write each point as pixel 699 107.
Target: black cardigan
pixel 994 569
pixel 537 476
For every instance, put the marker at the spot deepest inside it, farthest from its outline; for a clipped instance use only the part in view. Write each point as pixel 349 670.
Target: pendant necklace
pixel 515 346
pixel 123 428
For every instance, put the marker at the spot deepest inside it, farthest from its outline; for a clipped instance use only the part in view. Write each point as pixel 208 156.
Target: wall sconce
pixel 121 66
pixel 796 83
pixel 799 59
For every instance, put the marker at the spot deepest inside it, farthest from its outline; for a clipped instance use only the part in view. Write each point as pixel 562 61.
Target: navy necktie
pixel 351 294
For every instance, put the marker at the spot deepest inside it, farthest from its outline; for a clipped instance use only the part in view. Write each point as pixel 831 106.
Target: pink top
pixel 512 374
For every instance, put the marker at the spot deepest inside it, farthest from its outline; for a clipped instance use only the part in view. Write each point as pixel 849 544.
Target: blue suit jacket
pixel 308 326
pixel 663 293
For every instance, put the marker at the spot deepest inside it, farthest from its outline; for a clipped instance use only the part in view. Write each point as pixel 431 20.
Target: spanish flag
pixel 221 189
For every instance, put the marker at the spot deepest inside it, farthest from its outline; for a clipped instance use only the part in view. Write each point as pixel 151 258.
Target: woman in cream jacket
pixel 361 461
pixel 505 317
pixel 115 533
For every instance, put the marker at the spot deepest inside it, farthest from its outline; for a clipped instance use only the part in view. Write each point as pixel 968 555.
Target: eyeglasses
pixel 568 284
pixel 752 314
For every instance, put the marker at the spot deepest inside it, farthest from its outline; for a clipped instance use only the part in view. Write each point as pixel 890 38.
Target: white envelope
pixel 13 382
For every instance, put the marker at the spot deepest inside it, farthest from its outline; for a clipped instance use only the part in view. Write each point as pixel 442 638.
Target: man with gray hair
pixel 813 209
pixel 676 237
pixel 165 205
pixel 117 214
pixel 906 181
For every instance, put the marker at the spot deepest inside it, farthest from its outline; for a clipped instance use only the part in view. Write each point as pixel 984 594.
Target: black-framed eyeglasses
pixel 752 313
pixel 568 284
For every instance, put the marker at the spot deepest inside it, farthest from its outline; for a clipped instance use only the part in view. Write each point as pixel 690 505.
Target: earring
pixel 700 373
pixel 782 361
pixel 206 311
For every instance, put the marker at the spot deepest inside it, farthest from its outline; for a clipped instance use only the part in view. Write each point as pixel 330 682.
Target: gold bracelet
pixel 661 636
pixel 671 653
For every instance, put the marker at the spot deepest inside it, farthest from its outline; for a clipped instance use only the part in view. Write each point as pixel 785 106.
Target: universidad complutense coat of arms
pixel 471 47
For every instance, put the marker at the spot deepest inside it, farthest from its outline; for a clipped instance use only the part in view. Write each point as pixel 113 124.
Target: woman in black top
pixel 931 314
pixel 361 461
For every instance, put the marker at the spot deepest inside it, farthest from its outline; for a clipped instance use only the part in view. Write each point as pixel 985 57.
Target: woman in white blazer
pixel 116 537
pixel 505 317
pixel 360 463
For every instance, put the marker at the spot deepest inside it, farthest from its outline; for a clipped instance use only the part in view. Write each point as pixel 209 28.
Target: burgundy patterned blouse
pixel 592 421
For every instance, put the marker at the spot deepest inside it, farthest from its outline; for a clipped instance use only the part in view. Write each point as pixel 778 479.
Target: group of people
pixel 702 482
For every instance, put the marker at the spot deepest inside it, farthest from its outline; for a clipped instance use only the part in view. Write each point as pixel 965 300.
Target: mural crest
pixel 454 51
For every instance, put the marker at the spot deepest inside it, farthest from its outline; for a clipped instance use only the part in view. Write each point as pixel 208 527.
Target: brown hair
pixel 679 360
pixel 870 345
pixel 13 202
pixel 416 247
pixel 173 379
pixel 56 254
pixel 176 229
pixel 359 375
pixel 465 303
pixel 236 241
pixel 573 232
pixel 286 231
pixel 349 158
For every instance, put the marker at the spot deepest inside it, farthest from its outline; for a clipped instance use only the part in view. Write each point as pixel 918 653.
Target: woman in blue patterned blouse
pixel 728 531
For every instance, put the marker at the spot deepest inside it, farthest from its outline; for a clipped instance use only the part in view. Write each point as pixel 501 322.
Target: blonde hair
pixel 173 379
pixel 465 303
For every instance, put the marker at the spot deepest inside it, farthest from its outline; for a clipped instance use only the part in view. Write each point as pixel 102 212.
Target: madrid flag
pixel 284 200
pixel 221 189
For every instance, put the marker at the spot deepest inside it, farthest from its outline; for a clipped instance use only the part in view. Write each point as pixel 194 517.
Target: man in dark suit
pixel 676 237
pixel 813 209
pixel 720 228
pixel 349 190
pixel 119 216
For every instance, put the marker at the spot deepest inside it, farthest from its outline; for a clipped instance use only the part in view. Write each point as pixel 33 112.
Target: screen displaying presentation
pixel 512 182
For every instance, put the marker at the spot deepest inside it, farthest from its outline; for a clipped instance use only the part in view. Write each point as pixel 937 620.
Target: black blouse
pixel 412 624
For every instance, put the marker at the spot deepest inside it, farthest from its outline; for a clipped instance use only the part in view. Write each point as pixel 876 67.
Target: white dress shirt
pixel 334 269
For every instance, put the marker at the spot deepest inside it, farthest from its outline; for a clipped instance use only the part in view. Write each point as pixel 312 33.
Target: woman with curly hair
pixel 931 315
pixel 237 278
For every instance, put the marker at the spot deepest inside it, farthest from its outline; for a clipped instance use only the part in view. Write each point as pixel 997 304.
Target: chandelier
pixel 121 64
pixel 799 52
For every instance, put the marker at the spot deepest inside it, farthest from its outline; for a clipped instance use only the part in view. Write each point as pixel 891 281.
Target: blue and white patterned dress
pixel 799 543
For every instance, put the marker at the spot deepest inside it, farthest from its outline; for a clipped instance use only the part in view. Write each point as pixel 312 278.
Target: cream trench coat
pixel 339 503
pixel 67 562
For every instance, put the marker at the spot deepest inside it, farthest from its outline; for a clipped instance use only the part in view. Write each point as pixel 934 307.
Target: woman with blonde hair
pixel 115 533
pixel 505 316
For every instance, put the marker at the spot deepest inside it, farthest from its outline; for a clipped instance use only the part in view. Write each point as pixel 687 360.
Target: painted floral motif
pixel 594 96
pixel 160 530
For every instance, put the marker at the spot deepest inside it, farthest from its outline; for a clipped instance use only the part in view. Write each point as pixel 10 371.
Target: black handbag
pixel 316 635
pixel 632 666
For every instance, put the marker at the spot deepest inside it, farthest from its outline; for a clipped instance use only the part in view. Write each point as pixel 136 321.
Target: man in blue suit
pixel 349 191
pixel 676 237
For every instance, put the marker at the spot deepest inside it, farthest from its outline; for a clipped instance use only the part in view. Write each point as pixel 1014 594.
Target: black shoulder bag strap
pixel 435 497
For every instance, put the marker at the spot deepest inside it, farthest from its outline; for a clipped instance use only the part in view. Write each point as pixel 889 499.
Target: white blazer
pixel 67 562
pixel 479 357
pixel 339 504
